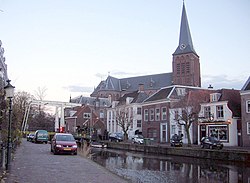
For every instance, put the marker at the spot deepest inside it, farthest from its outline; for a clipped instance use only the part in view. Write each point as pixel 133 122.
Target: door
pixel 164 138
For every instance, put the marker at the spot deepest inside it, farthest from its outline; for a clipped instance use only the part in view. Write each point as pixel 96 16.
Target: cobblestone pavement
pixel 34 163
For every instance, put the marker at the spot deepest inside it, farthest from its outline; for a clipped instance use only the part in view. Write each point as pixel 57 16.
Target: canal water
pixel 148 168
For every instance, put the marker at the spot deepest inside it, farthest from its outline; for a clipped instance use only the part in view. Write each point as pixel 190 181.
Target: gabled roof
pixel 169 93
pixel 185 39
pixel 234 100
pixel 160 95
pixel 85 109
pixel 103 102
pixel 194 98
pixel 138 97
pixel 246 85
pixel 150 82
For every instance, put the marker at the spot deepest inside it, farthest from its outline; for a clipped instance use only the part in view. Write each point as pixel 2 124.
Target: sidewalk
pixel 35 163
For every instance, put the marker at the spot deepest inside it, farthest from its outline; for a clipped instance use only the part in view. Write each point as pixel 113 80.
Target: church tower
pixel 186 62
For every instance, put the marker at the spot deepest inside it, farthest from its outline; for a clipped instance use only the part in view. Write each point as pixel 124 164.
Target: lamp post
pixel 9 92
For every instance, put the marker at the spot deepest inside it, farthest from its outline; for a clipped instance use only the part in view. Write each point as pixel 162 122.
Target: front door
pixel 164 133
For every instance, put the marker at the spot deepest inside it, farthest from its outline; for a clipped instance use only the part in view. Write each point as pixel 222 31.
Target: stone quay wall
pixel 237 155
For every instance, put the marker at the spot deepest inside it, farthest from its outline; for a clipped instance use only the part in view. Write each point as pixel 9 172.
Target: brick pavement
pixel 34 163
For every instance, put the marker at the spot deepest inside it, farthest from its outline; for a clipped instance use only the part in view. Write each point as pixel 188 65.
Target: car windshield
pixel 65 138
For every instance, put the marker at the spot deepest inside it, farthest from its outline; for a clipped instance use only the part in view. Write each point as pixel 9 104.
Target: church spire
pixel 185 39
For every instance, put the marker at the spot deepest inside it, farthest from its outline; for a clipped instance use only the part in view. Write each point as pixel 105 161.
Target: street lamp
pixel 9 93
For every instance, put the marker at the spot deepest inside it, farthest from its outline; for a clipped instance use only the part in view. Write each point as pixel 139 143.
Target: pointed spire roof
pixel 185 39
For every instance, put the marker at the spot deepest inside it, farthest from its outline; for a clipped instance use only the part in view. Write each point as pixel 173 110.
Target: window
pixel 176 115
pixel 138 110
pixel 219 110
pixel 110 114
pixel 173 127
pixel 181 91
pixel 152 133
pixel 86 115
pixel 183 68
pixel 101 114
pixel 152 114
pixel 207 112
pixel 131 124
pixel 145 114
pixel 163 113
pixel 157 114
pixel 139 123
pixel 187 67
pixel 248 128
pixel 220 132
pixel 178 68
pixel 248 106
pixel 214 97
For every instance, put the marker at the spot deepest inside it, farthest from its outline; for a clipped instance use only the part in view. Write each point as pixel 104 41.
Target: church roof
pixel 185 39
pixel 150 82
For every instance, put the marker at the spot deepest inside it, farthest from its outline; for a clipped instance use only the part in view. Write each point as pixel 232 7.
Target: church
pixel 185 71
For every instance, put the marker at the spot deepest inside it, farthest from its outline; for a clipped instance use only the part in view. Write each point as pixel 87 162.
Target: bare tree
pixel 190 108
pixel 20 103
pixel 40 94
pixel 123 120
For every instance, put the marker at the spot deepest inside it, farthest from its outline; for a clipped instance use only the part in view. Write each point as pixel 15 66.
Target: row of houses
pixel 160 105
pixel 223 113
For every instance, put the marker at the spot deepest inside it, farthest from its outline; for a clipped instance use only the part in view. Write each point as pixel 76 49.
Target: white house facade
pixel 176 128
pixel 217 119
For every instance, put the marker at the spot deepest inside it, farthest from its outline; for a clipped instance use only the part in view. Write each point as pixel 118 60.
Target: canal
pixel 147 168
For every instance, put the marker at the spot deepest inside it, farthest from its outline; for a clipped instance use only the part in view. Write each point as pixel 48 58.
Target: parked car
pixel 30 137
pixel 41 136
pixel 138 139
pixel 116 137
pixel 63 143
pixel 211 143
pixel 176 141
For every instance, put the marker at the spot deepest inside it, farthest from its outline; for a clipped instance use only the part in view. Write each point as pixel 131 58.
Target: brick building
pixel 245 113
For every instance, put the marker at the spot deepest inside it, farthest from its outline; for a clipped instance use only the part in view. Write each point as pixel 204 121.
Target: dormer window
pixel 128 85
pixel 214 97
pixel 151 82
pixel 129 100
pixel 86 115
pixel 181 91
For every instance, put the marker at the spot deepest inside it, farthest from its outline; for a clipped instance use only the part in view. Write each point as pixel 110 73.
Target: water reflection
pixel 139 167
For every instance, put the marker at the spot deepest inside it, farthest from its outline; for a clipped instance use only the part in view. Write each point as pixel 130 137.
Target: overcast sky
pixel 69 46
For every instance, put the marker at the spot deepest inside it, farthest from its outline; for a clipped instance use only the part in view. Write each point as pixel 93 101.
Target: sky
pixel 68 46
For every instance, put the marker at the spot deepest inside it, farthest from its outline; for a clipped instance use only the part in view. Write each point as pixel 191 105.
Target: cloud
pixel 73 88
pixel 222 81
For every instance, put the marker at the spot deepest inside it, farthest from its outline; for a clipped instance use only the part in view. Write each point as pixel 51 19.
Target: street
pixel 35 163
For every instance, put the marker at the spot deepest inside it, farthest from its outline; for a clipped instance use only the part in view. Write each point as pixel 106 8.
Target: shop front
pixel 225 131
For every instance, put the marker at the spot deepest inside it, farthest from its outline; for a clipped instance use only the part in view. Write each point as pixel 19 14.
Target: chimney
pixel 210 86
pixel 141 88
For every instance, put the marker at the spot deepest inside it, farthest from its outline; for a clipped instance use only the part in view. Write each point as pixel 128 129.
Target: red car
pixel 63 143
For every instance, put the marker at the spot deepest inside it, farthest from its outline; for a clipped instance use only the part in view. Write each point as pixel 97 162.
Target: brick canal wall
pixel 224 154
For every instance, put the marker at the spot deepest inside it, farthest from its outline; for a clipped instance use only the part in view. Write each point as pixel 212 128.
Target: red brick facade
pixel 186 70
